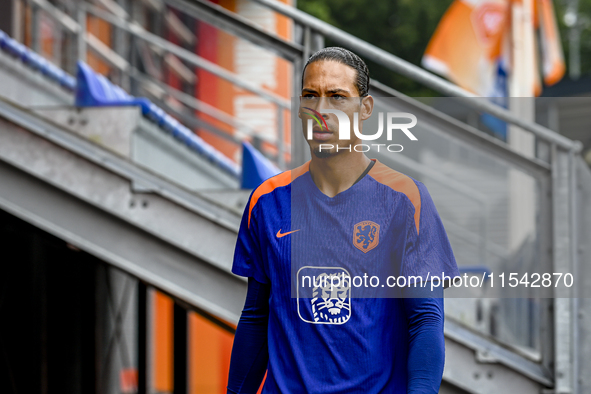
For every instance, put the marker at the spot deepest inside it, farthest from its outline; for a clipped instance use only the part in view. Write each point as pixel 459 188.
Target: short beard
pixel 323 154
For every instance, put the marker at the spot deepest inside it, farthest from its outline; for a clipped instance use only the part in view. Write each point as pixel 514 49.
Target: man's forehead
pixel 329 75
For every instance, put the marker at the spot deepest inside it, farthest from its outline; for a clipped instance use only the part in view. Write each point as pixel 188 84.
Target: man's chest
pixel 355 237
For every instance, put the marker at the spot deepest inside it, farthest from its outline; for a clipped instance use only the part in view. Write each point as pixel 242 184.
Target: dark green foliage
pixel 585 14
pixel 401 27
pixel 404 27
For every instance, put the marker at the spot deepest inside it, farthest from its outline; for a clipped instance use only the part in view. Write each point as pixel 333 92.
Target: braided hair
pixel 344 56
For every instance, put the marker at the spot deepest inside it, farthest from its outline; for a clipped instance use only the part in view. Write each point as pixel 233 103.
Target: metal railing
pixel 86 41
pixel 557 227
pixel 413 72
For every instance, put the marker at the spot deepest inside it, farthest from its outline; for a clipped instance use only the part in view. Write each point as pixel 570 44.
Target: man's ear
pixel 366 107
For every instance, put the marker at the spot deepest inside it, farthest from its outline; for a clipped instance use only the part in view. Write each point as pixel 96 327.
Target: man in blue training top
pixel 308 241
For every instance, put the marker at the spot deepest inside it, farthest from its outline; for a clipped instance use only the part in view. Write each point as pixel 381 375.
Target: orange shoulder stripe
pixel 279 180
pixel 400 183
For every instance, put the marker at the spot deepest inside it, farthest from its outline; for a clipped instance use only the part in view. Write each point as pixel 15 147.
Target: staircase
pixel 124 185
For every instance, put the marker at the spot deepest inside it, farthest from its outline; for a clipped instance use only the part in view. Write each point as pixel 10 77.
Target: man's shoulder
pixel 400 183
pixel 397 181
pixel 280 180
pixel 273 184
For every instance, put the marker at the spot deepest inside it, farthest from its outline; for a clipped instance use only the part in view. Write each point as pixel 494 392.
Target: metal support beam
pixel 180 352
pixel 178 27
pixel 35 27
pixel 463 372
pixel 105 52
pixel 81 35
pixel 178 67
pixel 219 17
pixel 185 256
pixel 463 132
pixel 583 300
pixel 160 89
pixel 489 352
pixel 114 8
pixel 143 337
pixel 58 15
pixel 563 262
pixel 280 138
pixel 188 56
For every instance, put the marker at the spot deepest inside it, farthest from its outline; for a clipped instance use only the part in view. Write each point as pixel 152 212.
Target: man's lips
pixel 318 129
pixel 321 134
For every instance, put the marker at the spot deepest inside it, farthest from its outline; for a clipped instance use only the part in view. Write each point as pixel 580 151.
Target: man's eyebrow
pixel 337 91
pixel 307 90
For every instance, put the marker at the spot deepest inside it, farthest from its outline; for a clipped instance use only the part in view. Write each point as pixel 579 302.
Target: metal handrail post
pixel 574 294
pixel 81 36
pixel 563 262
pixel 280 139
pixel 35 33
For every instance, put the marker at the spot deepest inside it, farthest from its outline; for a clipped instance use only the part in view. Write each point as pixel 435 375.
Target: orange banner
pixel 474 38
pixel 467 43
pixel 553 66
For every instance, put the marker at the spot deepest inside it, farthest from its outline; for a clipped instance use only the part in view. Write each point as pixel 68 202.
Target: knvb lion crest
pixel 324 295
pixel 366 235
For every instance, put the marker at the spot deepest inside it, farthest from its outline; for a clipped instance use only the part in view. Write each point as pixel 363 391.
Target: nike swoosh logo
pixel 279 235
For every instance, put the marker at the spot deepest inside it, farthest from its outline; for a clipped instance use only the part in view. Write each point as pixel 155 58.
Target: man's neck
pixel 335 174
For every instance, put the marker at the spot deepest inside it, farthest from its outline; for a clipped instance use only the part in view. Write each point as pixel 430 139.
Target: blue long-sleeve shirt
pixel 355 338
pixel 426 354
